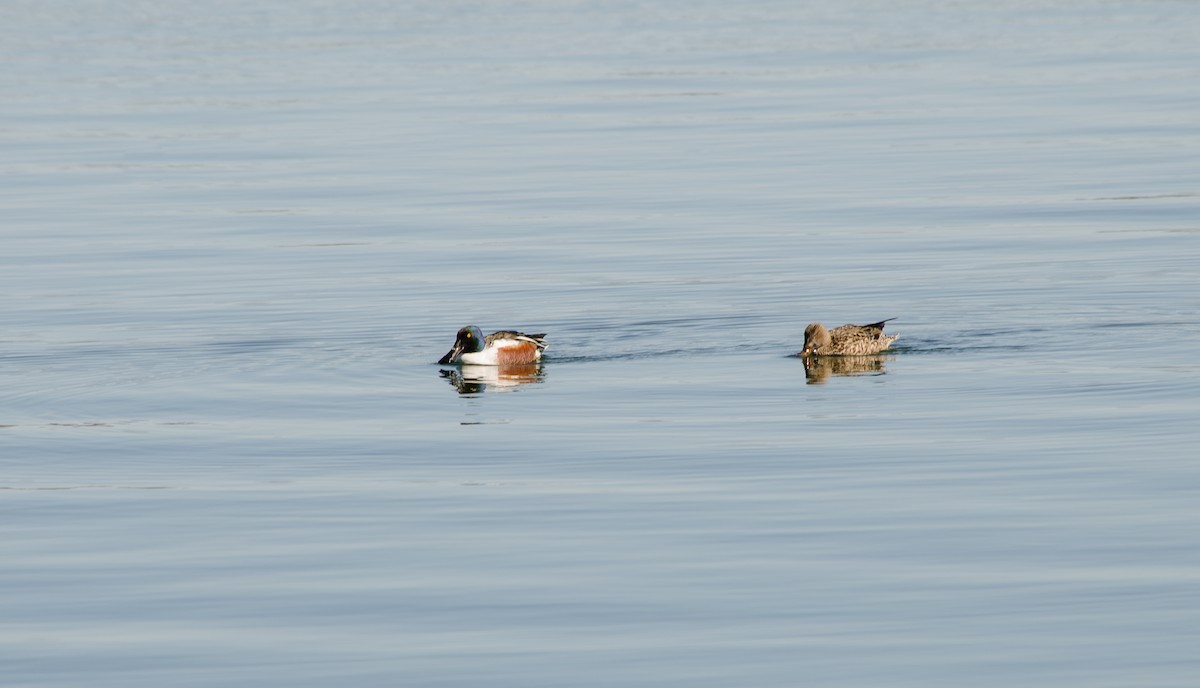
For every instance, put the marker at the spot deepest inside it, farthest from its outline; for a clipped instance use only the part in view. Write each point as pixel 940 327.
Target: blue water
pixel 237 236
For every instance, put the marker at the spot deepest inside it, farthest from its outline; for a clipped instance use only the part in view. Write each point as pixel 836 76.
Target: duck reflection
pixel 818 368
pixel 475 379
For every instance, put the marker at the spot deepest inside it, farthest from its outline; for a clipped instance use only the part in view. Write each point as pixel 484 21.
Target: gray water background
pixel 236 236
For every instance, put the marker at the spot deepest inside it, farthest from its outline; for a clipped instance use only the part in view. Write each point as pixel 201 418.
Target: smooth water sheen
pixel 236 237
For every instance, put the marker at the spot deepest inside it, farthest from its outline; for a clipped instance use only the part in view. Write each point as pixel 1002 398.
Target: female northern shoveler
pixel 847 340
pixel 498 348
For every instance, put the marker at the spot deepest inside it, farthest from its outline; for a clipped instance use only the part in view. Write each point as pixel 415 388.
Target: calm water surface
pixel 236 238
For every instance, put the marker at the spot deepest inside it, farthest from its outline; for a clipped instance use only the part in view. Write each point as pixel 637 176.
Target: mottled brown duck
pixel 847 340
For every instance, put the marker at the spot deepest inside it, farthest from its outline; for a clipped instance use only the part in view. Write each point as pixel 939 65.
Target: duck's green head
pixel 468 341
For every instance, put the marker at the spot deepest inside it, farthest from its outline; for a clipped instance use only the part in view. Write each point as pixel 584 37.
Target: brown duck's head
pixel 815 337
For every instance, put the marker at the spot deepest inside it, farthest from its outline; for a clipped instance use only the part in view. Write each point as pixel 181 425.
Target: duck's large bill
pixel 452 355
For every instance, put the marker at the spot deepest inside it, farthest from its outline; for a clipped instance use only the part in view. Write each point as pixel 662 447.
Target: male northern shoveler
pixel 505 347
pixel 847 340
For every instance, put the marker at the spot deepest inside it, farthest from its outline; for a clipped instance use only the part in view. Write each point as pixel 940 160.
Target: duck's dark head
pixel 468 341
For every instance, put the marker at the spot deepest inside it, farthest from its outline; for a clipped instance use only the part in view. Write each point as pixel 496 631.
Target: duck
pixel 847 340
pixel 506 347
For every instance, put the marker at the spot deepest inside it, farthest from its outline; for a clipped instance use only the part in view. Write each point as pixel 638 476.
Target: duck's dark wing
pixel 876 328
pixel 519 336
